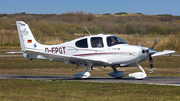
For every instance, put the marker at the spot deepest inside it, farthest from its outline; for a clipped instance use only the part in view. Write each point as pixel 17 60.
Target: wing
pixel 68 58
pixel 163 53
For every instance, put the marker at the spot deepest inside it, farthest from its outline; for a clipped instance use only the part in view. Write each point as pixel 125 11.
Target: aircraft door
pixel 97 42
pixel 97 45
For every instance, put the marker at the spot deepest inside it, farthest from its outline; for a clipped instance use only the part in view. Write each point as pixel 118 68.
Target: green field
pixel 17 90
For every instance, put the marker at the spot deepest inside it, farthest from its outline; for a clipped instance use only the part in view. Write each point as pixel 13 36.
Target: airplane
pixel 93 50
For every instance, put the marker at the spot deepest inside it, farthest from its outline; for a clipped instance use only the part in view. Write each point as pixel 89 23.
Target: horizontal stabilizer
pixel 14 52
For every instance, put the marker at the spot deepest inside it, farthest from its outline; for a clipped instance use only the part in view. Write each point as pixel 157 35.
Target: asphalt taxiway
pixel 173 81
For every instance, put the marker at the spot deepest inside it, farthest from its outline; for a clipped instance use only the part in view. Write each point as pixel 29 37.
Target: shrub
pixel 72 30
pixel 130 29
pixel 121 13
pixel 157 28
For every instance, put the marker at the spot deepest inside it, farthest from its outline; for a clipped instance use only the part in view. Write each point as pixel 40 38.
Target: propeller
pixel 151 70
pixel 150 52
pixel 155 42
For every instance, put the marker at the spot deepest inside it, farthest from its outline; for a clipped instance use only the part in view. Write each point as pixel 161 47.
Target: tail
pixel 25 36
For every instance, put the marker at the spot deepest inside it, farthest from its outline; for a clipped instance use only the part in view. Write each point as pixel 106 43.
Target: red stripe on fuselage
pixel 104 53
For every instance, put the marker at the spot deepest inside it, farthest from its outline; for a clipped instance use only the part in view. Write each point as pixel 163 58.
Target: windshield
pixel 114 40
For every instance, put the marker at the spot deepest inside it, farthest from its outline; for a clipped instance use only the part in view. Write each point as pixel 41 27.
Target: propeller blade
pixel 151 70
pixel 151 51
pixel 155 42
pixel 140 44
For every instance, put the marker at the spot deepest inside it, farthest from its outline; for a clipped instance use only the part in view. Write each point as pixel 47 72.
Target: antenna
pixel 87 30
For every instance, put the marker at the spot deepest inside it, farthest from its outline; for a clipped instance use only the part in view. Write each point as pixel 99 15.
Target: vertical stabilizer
pixel 25 36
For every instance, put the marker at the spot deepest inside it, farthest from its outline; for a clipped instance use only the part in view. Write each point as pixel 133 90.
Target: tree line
pixel 119 23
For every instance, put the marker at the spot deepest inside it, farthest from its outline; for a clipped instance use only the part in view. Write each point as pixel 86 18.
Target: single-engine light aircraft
pixel 93 50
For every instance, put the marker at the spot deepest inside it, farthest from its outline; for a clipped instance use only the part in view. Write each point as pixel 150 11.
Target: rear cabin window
pixel 82 43
pixel 97 42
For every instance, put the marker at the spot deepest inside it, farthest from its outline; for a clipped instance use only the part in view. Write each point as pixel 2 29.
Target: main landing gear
pixel 84 74
pixel 120 74
pixel 116 73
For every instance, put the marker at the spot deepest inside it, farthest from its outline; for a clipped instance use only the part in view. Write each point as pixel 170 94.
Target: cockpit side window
pixel 114 40
pixel 97 42
pixel 82 43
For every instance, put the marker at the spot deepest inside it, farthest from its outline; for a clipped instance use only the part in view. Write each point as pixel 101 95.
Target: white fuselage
pixel 120 54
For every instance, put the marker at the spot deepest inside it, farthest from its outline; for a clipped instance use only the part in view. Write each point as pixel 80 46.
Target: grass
pixel 84 91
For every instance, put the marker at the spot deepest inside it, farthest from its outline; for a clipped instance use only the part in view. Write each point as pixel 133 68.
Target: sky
pixel 147 7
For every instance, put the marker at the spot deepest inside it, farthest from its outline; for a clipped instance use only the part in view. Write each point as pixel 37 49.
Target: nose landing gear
pixel 139 75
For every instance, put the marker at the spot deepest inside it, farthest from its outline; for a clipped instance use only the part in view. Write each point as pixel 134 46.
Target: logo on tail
pixel 24 32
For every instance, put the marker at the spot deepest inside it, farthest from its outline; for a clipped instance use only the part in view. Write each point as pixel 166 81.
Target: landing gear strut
pixel 116 73
pixel 84 74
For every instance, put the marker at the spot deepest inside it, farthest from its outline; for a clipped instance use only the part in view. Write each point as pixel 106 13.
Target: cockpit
pixel 100 42
pixel 114 40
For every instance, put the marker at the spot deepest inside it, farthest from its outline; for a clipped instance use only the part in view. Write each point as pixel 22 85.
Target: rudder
pixel 25 36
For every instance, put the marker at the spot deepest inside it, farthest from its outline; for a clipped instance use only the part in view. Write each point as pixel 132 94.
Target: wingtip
pixel 172 51
pixel 14 52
